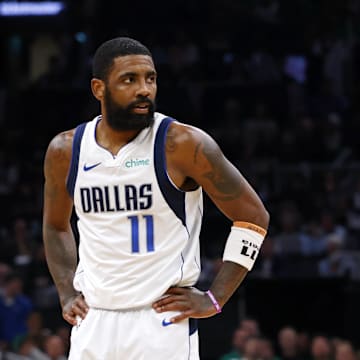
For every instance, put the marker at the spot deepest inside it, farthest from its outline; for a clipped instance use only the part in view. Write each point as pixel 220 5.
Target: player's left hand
pixel 190 302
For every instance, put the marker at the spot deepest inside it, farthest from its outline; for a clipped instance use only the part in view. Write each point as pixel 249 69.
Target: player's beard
pixel 123 118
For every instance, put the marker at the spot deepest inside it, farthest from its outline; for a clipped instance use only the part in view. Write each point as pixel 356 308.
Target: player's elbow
pixel 262 217
pixel 265 217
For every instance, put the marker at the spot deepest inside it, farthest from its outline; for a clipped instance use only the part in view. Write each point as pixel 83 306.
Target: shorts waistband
pixel 138 308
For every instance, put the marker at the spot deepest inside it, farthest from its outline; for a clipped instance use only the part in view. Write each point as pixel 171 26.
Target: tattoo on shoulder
pixel 218 171
pixel 196 152
pixel 170 140
pixel 57 161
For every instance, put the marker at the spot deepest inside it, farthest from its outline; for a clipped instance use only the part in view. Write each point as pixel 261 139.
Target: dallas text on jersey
pixel 116 198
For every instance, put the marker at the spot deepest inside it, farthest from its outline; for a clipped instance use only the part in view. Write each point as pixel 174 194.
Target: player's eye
pixel 129 80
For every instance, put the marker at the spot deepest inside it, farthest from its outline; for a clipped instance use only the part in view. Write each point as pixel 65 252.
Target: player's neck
pixel 113 140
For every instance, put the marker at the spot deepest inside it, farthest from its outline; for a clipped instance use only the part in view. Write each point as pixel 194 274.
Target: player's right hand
pixel 74 308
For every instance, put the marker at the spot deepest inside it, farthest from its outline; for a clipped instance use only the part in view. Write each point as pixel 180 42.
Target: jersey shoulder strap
pixel 73 171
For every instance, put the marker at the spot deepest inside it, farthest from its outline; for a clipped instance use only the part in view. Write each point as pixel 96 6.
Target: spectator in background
pixel 336 262
pixel 259 133
pixel 52 348
pixel 183 53
pixel 267 265
pixel 4 272
pixel 64 332
pixel 287 241
pixel 252 348
pixel 267 11
pixel 231 119
pixel 325 102
pixel 335 60
pixel 54 77
pixel 288 344
pixel 17 245
pixel 313 239
pixel 304 344
pixel 239 339
pixel 27 349
pixel 248 328
pixel 307 139
pixel 15 308
pixel 42 288
pixel 55 348
pixel 266 350
pixel 36 330
pixel 329 224
pixel 23 241
pixel 251 326
pixel 353 214
pixel 332 139
pixel 344 350
pixel 262 68
pixel 295 70
pixel 321 348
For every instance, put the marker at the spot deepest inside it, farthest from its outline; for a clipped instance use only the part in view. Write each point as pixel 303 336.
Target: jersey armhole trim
pixel 173 196
pixel 74 164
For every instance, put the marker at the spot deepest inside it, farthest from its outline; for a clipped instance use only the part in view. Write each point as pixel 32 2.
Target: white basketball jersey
pixel 139 234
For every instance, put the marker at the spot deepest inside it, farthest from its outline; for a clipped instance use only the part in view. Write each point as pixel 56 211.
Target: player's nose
pixel 144 89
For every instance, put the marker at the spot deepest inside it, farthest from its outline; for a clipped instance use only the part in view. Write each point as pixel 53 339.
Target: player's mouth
pixel 141 108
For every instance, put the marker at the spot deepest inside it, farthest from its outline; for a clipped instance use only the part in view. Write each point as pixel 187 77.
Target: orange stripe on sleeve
pixel 250 226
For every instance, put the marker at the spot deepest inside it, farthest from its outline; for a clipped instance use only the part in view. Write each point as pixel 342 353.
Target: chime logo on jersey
pixel 136 162
pixel 116 198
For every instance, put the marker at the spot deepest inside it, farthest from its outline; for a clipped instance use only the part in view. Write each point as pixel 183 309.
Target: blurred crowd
pixel 249 343
pixel 274 82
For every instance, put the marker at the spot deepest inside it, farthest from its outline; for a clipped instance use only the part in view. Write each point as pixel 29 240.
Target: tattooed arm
pixel 59 242
pixel 194 159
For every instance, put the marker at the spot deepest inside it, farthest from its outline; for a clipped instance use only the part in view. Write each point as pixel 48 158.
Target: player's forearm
pixel 227 280
pixel 241 250
pixel 61 256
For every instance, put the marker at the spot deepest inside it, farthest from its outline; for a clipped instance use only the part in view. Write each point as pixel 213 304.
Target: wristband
pixel 214 301
pixel 243 244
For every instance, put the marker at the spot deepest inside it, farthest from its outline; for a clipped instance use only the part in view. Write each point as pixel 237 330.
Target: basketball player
pixel 135 177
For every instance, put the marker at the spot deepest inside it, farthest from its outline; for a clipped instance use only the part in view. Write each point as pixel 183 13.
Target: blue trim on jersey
pixel 72 176
pixel 182 267
pixel 193 325
pixel 174 197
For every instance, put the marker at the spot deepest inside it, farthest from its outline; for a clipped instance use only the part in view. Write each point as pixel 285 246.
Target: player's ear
pixel 97 88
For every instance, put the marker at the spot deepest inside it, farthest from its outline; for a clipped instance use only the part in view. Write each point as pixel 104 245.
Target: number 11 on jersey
pixel 146 222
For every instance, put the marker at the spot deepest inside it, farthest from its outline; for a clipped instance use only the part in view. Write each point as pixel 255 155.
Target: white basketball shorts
pixel 133 335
